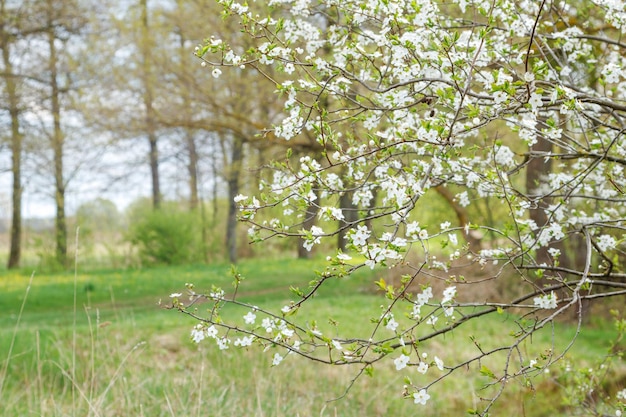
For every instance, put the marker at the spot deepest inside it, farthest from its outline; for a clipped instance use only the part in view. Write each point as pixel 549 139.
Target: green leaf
pixel 487 372
pixel 297 291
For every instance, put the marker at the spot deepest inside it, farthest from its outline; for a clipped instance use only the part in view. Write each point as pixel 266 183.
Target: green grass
pixel 122 354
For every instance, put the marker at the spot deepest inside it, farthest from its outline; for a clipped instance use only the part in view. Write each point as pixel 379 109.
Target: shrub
pixel 166 236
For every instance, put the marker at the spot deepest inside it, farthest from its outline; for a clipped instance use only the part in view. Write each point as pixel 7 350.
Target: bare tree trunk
pixel 190 140
pixel 214 193
pixel 350 214
pixel 154 167
pixel 148 98
pixel 57 150
pixel 234 171
pixel 57 147
pixel 192 168
pixel 537 171
pixel 16 152
pixel 204 232
pixel 16 198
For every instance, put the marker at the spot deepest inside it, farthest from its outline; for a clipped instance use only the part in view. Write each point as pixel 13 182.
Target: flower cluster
pixel 201 332
pixel 426 113
pixel 547 301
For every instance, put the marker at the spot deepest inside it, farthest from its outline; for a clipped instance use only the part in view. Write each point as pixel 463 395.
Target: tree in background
pixel 37 98
pixel 219 119
pixel 62 24
pixel 190 114
pixel 81 119
pixel 126 102
pixel 147 48
pixel 93 214
pixel 57 138
pixel 9 35
pixel 459 95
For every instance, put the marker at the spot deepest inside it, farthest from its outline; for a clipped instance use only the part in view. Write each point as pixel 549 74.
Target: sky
pixel 42 206
pixel 38 200
pixel 133 183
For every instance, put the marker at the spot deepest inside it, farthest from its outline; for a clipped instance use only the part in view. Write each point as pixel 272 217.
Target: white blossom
pixel 422 367
pixel 398 107
pixel 606 242
pixel 277 359
pixel 535 101
pixel 421 397
pixel 401 362
pixel 439 363
pixel 547 301
pixel 448 294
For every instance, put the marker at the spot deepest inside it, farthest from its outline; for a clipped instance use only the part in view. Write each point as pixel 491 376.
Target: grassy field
pixel 121 354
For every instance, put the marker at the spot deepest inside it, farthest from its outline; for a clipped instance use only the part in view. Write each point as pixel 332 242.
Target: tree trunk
pixel 192 154
pixel 234 171
pixel 192 168
pixel 538 168
pixel 214 194
pixel 154 167
pixel 190 140
pixel 537 171
pixel 16 198
pixel 57 148
pixel 350 214
pixel 16 154
pixel 148 99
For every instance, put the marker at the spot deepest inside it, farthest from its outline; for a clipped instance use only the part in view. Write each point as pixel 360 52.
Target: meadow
pixel 101 343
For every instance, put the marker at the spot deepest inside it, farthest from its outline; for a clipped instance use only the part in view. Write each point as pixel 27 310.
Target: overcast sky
pixel 124 179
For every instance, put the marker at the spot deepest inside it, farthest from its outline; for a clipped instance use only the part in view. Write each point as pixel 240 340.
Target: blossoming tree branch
pixel 521 104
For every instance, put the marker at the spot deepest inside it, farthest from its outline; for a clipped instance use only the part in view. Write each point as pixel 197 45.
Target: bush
pixel 167 236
